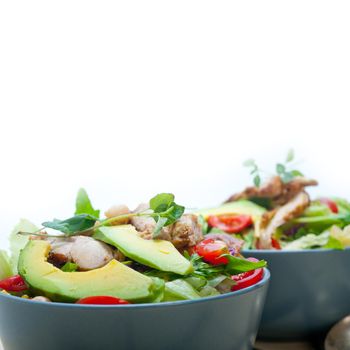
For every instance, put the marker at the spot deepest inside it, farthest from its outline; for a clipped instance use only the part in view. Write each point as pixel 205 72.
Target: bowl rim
pixel 260 284
pixel 246 252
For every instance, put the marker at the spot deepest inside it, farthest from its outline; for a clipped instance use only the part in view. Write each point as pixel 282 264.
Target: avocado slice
pixel 156 253
pixel 238 207
pixel 114 279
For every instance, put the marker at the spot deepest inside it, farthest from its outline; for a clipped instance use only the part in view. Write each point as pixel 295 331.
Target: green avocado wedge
pixel 239 207
pixel 114 279
pixel 157 253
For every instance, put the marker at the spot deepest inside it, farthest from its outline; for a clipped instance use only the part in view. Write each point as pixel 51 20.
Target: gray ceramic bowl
pixel 223 322
pixel 308 293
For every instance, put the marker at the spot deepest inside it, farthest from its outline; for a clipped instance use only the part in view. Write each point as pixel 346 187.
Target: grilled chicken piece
pixel 274 189
pixel 185 232
pixel 86 252
pixel 294 208
pixel 89 254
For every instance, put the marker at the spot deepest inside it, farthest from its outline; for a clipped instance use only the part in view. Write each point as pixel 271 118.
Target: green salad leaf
pixel 333 243
pixel 179 290
pixel 5 267
pixel 235 266
pixel 165 211
pixel 83 204
pixel 308 241
pixel 72 225
pixel 17 242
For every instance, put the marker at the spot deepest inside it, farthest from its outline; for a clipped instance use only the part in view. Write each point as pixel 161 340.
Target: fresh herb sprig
pixel 163 210
pixel 235 266
pixel 284 170
pixel 254 171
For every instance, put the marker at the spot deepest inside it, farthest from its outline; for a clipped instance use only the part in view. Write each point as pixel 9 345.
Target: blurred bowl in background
pixel 308 293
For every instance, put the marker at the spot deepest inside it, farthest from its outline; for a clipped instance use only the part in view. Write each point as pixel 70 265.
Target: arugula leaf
pixel 69 267
pixel 72 225
pixel 83 204
pixel 165 211
pixel 161 202
pixel 234 266
pixel 238 265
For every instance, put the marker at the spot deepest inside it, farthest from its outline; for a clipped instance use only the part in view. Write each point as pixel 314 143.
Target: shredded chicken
pixel 86 252
pixel 294 208
pixel 274 189
pixel 184 233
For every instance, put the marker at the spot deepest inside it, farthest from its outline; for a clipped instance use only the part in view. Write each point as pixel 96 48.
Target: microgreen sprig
pixel 163 210
pixel 284 170
pixel 254 171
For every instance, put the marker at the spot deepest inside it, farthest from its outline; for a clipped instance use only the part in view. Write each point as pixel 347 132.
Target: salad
pixel 279 213
pixel 155 253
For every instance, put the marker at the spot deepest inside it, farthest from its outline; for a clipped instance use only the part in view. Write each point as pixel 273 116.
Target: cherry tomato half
pixel 211 250
pixel 230 223
pixel 330 204
pixel 246 279
pixel 13 284
pixel 102 300
pixel 275 244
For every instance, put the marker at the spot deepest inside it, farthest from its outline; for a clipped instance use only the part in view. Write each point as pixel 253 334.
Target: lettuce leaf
pixel 83 204
pixel 308 241
pixel 5 267
pixel 342 235
pixel 179 290
pixel 17 242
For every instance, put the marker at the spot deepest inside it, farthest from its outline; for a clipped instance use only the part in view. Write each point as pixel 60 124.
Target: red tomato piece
pixel 246 279
pixel 102 300
pixel 13 284
pixel 211 250
pixel 275 244
pixel 330 204
pixel 230 223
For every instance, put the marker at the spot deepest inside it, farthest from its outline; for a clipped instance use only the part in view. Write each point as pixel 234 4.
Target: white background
pixel 133 98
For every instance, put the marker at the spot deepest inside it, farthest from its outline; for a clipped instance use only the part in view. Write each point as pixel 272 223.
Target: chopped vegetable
pixel 230 223
pixel 330 204
pixel 212 250
pixel 102 300
pixel 246 279
pixel 13 284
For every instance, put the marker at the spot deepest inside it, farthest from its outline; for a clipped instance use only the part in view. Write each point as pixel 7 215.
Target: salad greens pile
pixel 161 272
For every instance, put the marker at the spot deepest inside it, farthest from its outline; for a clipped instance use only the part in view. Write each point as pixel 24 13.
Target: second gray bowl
pixel 309 292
